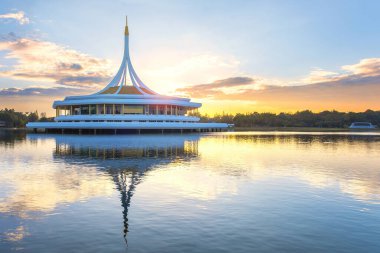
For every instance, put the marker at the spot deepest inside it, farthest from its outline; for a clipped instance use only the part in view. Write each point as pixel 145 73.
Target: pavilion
pixel 125 104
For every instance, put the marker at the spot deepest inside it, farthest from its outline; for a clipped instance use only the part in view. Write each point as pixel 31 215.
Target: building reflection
pixel 126 159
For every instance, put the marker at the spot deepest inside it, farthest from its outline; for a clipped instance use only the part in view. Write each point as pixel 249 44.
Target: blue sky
pixel 280 42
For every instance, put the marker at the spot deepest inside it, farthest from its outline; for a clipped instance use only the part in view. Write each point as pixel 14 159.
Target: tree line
pixel 11 118
pixel 307 118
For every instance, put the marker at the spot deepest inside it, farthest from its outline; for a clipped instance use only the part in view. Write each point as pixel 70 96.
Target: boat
pixel 126 104
pixel 362 125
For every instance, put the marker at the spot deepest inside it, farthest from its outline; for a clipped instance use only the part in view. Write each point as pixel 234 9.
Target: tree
pixel 33 116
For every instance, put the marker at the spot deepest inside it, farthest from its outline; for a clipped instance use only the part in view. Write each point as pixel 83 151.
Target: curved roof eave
pixel 127 101
pixel 123 96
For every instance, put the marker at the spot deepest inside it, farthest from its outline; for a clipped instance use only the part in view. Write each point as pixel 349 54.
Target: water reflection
pixel 126 159
pixel 9 137
pixel 230 182
pixel 347 161
pixel 83 167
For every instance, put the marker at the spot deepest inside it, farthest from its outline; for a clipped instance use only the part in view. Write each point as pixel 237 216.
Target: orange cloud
pixel 356 89
pixel 213 89
pixel 366 67
pixel 46 61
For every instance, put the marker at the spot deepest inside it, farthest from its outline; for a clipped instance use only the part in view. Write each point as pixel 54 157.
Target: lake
pixel 216 192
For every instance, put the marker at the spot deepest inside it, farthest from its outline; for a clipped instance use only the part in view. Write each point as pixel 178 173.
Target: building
pixel 125 104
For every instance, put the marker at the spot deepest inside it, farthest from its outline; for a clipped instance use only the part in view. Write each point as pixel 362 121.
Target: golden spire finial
pixel 126 32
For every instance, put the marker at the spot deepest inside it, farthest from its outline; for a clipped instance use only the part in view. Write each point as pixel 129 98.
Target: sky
pixel 230 55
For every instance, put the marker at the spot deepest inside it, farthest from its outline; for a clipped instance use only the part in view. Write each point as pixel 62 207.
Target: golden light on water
pixel 206 176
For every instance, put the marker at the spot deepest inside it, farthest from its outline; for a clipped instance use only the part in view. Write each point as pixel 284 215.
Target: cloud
pixel 18 16
pixel 318 75
pixel 366 67
pixel 355 88
pixel 46 61
pixel 167 69
pixel 38 91
pixel 347 89
pixel 214 88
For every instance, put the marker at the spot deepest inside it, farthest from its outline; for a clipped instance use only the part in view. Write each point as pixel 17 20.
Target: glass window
pixel 109 109
pixel 63 110
pixel 68 110
pixel 84 109
pixel 92 109
pixel 161 109
pixel 100 109
pixel 118 109
pixel 76 110
pixel 133 109
pixel 60 111
pixel 181 111
pixel 152 109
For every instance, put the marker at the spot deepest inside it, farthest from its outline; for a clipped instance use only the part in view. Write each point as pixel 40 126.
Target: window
pixel 161 109
pixel 152 109
pixel 133 109
pixel 118 109
pixel 100 109
pixel 84 109
pixel 109 109
pixel 63 110
pixel 181 111
pixel 92 109
pixel 76 110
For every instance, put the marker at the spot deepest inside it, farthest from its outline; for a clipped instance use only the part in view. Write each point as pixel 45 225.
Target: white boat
pixel 126 103
pixel 362 125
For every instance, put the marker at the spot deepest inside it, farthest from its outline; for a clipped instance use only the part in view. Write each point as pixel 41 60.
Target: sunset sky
pixel 233 56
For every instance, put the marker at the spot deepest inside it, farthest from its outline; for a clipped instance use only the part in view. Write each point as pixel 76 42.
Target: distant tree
pixel 12 118
pixel 33 116
pixel 305 118
pixel 327 119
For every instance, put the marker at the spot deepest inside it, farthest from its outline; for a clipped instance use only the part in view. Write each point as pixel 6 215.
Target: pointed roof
pixel 126 73
pixel 126 88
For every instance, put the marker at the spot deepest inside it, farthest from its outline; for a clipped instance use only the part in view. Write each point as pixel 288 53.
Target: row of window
pixel 121 109
pixel 173 121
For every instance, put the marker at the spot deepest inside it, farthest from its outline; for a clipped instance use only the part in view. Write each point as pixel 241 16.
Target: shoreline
pixel 258 129
pixel 301 129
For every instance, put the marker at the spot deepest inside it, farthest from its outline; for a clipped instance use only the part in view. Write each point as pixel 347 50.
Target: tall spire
pixel 126 32
pixel 126 71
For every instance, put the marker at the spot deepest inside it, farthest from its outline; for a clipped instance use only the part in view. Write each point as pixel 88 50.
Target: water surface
pixel 220 192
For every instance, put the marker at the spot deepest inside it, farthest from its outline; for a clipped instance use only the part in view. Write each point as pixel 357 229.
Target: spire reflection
pixel 126 159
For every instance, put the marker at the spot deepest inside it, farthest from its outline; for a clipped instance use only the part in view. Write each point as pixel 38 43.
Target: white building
pixel 126 103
